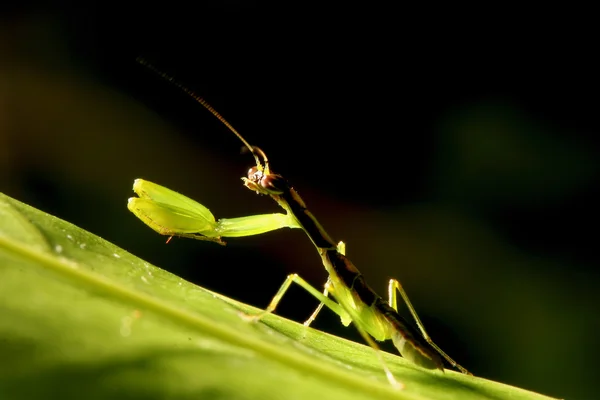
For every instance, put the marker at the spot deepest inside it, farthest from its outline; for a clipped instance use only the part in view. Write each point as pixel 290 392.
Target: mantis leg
pixel 333 306
pixel 341 248
pixel 375 347
pixel 320 306
pixel 395 285
pixel 295 278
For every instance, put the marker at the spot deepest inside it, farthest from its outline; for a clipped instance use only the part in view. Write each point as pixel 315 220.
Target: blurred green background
pixel 466 167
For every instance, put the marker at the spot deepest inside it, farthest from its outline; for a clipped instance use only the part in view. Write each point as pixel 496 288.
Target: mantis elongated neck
pixel 291 201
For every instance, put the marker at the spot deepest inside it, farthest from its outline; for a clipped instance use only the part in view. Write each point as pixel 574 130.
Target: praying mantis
pixel 345 292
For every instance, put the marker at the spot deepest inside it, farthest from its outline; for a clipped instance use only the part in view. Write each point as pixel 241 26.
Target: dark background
pixel 460 158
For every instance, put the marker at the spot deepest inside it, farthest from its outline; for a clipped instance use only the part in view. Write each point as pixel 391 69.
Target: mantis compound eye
pixel 267 183
pixel 254 175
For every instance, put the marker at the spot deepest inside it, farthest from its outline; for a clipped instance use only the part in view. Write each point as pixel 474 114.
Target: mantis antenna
pixel 256 152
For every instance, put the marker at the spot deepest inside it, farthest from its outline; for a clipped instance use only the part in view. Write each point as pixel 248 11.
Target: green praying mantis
pixel 172 214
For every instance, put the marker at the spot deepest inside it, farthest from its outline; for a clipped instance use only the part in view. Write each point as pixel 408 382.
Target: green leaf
pixel 82 318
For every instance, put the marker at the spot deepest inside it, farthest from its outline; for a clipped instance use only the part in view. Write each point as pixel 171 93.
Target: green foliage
pixel 82 318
